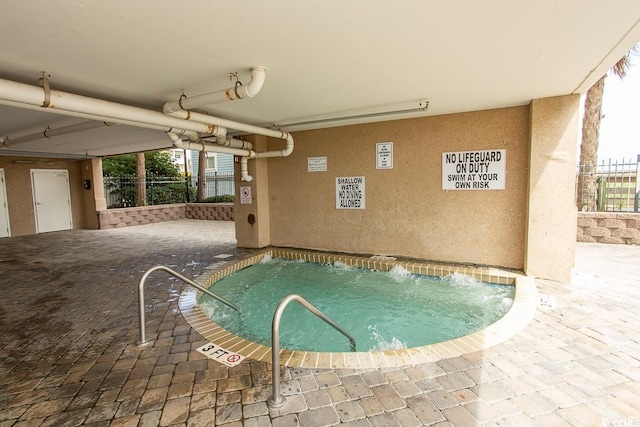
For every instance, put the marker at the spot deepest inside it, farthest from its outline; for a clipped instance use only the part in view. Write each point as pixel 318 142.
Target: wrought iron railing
pixel 120 191
pixel 610 186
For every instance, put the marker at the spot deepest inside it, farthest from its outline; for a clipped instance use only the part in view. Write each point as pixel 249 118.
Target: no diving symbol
pixel 245 195
pixel 219 354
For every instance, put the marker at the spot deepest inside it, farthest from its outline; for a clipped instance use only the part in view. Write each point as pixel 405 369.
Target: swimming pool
pixel 390 354
pixel 382 310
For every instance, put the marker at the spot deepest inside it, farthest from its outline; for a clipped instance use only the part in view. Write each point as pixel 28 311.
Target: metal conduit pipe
pixel 57 101
pixel 50 133
pixel 258 75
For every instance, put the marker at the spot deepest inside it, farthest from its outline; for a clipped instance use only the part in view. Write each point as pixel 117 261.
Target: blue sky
pixel 620 126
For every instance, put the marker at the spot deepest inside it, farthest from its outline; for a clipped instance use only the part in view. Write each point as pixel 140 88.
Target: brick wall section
pixel 124 217
pixel 609 227
pixel 210 211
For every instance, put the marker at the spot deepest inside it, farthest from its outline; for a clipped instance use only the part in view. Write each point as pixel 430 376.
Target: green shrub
pixel 225 198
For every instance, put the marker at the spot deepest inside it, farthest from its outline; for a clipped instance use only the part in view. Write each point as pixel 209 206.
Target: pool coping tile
pixel 517 318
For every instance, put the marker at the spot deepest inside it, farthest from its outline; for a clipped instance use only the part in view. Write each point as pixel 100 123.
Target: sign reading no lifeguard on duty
pixel 474 170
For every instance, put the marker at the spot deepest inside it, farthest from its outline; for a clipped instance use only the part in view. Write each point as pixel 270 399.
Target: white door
pixel 51 200
pixel 5 230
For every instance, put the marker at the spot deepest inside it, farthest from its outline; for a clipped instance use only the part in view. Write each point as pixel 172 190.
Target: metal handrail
pixel 146 274
pixel 276 399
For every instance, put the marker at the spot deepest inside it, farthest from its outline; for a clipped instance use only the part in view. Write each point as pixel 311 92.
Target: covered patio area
pixel 69 326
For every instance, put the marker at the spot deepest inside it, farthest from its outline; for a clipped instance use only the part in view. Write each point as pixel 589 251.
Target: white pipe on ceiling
pixel 231 142
pixel 244 169
pixel 50 133
pixel 215 148
pixel 224 124
pixel 192 135
pixel 203 146
pixel 181 109
pixel 258 75
pixel 64 101
pixel 172 122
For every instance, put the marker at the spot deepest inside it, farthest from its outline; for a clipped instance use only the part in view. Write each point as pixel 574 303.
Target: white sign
pixel 384 155
pixel 245 195
pixel 317 164
pixel 474 170
pixel 219 354
pixel 350 192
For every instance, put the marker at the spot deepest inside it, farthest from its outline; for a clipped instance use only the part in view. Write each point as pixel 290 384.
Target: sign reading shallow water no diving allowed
pixel 350 192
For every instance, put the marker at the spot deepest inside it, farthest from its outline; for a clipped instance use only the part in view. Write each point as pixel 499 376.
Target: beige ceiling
pixel 324 58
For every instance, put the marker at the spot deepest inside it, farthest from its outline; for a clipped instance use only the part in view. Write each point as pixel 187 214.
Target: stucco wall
pixel 20 196
pixel 609 227
pixel 550 243
pixel 407 212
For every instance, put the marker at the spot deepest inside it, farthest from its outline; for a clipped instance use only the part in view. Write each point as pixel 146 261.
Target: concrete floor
pixel 69 326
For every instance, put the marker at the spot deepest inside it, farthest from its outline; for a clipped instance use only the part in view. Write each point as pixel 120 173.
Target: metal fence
pixel 120 191
pixel 218 184
pixel 611 186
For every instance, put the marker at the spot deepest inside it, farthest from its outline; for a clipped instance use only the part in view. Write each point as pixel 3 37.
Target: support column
pixel 93 192
pixel 551 213
pixel 253 229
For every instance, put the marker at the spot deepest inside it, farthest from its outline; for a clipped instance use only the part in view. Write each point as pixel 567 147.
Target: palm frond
pixel 621 68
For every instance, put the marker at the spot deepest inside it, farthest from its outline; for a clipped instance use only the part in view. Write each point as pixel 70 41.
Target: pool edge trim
pixel 516 319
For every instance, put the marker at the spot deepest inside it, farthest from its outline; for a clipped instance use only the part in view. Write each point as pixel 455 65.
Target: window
pixel 211 161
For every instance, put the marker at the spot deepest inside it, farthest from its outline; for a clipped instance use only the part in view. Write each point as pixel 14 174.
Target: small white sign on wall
pixel 245 195
pixel 384 155
pixel 350 192
pixel 474 170
pixel 317 164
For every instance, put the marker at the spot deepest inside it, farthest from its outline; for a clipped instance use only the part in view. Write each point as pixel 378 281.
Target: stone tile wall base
pixel 609 227
pixel 124 217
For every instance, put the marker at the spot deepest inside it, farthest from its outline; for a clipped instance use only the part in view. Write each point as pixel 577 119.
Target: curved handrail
pixel 146 274
pixel 276 399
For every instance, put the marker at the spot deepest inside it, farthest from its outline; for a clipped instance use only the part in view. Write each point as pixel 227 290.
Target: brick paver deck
pixel 69 327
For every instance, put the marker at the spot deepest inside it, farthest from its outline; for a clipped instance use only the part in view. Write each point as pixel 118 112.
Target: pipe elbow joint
pixel 251 89
pixel 290 144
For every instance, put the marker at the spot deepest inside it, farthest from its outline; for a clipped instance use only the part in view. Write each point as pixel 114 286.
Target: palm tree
pixel 586 195
pixel 202 176
pixel 141 184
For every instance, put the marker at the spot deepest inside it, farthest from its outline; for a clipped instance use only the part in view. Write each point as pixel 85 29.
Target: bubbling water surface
pixel 382 310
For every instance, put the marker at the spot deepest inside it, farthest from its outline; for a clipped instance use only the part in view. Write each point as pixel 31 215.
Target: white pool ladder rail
pixel 143 339
pixel 277 399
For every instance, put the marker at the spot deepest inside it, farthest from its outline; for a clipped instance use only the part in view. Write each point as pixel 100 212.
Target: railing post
pixel 143 279
pixel 636 201
pixel 277 400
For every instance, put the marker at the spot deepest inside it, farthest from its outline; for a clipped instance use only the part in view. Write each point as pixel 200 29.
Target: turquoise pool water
pixel 382 310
